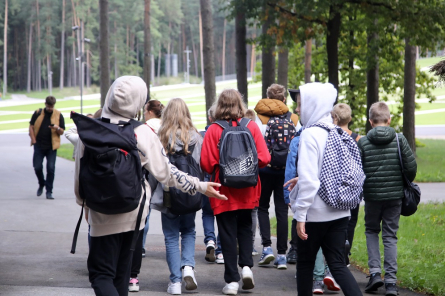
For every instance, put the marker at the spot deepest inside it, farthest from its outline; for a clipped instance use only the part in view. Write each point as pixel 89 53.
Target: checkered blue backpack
pixel 342 176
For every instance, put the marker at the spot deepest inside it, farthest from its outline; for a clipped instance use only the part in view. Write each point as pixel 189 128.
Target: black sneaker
pixel 375 282
pixel 143 252
pixel 292 256
pixel 391 290
pixel 49 195
pixel 40 190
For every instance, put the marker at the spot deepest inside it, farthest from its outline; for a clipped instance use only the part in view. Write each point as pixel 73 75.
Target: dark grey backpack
pixel 238 157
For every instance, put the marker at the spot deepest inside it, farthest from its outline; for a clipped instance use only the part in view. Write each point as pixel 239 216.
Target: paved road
pixel 35 238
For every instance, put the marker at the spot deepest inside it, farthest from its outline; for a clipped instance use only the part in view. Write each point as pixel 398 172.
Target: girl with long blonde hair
pixel 177 133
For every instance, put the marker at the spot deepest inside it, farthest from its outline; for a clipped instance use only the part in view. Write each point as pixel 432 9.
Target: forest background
pixel 366 48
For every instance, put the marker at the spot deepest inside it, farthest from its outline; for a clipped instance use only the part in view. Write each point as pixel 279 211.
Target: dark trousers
pixel 294 235
pixel 352 223
pixel 233 226
pixel 137 257
pixel 37 163
pixel 109 264
pixel 331 237
pixel 273 183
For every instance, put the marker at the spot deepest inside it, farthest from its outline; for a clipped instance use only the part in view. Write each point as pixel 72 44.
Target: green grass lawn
pixel 431 161
pixel 428 62
pixel 66 151
pixel 421 254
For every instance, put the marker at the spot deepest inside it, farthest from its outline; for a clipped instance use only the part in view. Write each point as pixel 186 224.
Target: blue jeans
pixel 208 223
pixel 172 226
pixel 37 163
pixel 146 228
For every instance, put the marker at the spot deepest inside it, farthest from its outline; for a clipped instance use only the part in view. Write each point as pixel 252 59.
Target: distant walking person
pixel 383 193
pixel 45 128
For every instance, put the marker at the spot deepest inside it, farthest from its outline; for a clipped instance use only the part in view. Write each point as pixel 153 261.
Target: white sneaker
pixel 210 251
pixel 189 278
pixel 247 277
pixel 231 288
pixel 174 288
pixel 220 258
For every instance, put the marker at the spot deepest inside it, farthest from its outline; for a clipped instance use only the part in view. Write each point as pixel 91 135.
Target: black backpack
pixel 110 177
pixel 238 157
pixel 279 133
pixel 182 203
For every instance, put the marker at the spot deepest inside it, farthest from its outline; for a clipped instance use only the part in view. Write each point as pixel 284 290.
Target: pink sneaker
pixel 134 285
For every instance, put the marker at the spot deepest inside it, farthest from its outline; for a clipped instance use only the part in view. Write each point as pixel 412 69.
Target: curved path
pixel 36 234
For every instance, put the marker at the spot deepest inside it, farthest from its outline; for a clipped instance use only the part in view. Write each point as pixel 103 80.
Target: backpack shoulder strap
pixel 135 123
pixel 222 123
pixel 321 125
pixel 244 121
pixel 288 116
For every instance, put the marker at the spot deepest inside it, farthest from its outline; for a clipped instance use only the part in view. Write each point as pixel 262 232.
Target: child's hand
pixel 301 230
pixel 291 183
pixel 212 192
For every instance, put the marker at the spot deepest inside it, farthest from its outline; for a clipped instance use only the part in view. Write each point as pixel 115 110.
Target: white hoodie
pixel 317 100
pixel 125 97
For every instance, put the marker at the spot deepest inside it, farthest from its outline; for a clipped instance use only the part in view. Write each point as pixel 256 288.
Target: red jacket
pixel 245 198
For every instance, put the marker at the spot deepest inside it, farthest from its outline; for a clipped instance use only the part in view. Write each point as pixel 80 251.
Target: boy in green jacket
pixel 383 194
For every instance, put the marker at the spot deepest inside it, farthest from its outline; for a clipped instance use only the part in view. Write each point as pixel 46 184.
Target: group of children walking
pixel 289 152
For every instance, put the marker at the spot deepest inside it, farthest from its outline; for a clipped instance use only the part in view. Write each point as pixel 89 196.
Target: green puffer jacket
pixel 384 180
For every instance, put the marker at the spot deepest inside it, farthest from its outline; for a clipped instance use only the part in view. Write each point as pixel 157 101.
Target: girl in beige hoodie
pixel 110 256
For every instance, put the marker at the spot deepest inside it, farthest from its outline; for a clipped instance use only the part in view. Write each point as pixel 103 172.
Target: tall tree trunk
pixel 28 83
pixel 39 61
pixel 147 45
pixel 308 61
pixel 372 81
pixel 50 75
pixel 241 54
pixel 351 85
pixel 159 65
pixel 268 59
pixel 208 53
pixel 68 68
pixel 253 55
pixel 104 51
pixel 73 65
pixel 409 94
pixel 195 57
pixel 332 36
pixel 223 63
pixel 283 66
pixel 5 50
pixel 200 43
pixel 62 47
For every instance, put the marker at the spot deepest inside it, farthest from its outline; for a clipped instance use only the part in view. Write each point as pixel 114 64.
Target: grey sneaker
pixel 318 287
pixel 391 290
pixel 375 282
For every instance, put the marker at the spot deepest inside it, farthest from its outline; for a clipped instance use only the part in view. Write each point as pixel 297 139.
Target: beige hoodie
pixel 126 96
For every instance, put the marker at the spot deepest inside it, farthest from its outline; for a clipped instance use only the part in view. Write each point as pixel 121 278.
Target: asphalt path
pixel 36 235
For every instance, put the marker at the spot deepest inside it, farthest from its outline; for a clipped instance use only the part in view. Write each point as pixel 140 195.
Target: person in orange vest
pixel 45 128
